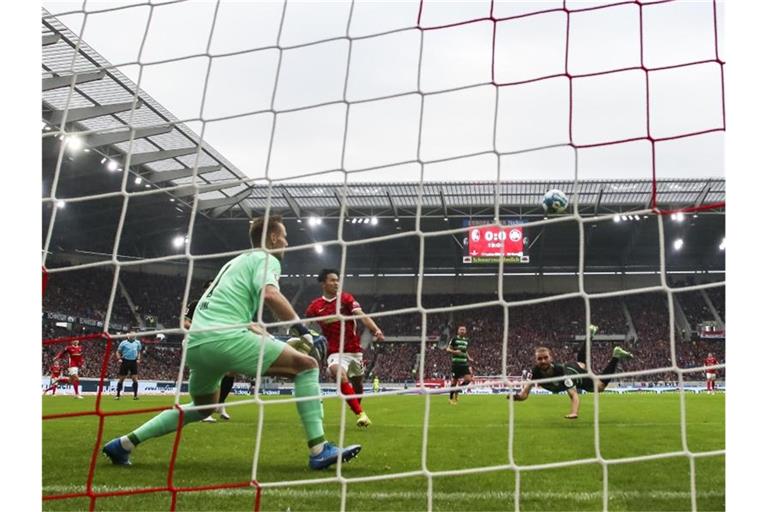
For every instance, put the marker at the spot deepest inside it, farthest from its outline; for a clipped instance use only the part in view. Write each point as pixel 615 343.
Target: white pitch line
pixel 419 495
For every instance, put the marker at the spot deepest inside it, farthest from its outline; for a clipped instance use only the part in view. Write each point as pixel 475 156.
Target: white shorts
pixel 352 363
pixel 72 371
pixel 711 376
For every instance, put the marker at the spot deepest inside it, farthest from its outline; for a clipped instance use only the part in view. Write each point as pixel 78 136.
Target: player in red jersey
pixel 350 364
pixel 711 373
pixel 55 378
pixel 75 353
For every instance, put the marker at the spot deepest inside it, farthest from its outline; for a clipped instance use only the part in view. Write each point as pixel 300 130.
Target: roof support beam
pixel 218 211
pixel 702 195
pixel 164 176
pixel 598 201
pixel 190 190
pixel 443 203
pixel 292 203
pixel 57 82
pixel 207 204
pixel 392 203
pixel 79 114
pixel 50 39
pixel 107 139
pixel 156 156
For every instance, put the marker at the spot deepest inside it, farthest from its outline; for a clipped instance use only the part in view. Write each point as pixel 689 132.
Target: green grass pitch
pixel 470 435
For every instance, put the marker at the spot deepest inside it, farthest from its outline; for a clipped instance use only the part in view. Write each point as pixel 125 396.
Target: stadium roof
pixel 449 199
pixel 164 151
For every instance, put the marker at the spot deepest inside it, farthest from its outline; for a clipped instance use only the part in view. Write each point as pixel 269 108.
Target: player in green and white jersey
pixel 460 369
pixel 215 347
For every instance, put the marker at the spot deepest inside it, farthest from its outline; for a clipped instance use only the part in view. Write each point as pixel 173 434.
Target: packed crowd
pixel 695 308
pixel 85 294
pixel 555 323
pixel 155 297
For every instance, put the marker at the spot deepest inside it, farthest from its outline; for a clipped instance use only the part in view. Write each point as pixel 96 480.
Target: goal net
pixel 167 127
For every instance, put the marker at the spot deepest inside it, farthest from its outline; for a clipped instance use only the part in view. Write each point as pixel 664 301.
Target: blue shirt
pixel 129 349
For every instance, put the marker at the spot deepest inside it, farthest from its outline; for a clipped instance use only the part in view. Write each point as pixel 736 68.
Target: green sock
pixel 163 423
pixel 311 411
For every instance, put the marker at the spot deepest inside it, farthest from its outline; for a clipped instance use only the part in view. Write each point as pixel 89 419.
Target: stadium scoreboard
pixel 486 244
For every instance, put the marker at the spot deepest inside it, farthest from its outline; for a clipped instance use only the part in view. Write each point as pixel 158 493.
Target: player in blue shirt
pixel 129 355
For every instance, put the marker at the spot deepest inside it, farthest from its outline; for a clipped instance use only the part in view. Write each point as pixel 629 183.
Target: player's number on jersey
pixel 218 278
pixel 204 304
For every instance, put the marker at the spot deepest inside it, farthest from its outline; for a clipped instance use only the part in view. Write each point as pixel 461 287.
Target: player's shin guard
pixel 119 388
pixel 76 387
pixel 165 422
pixel 306 384
pixel 354 403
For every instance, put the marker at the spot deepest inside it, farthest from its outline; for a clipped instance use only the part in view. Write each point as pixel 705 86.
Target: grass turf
pixel 473 434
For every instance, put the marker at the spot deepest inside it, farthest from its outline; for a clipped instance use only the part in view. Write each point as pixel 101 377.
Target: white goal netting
pixel 218 107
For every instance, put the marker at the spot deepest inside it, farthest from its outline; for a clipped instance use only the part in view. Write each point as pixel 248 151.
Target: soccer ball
pixel 554 201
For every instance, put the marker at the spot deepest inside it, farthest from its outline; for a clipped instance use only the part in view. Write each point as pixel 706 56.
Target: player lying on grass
pixel 349 364
pixel 233 298
pixel 574 373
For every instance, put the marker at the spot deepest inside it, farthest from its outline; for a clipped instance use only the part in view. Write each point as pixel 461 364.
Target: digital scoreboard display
pixel 486 244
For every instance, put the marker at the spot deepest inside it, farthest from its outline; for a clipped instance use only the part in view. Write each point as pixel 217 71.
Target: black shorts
pixel 460 370
pixel 128 367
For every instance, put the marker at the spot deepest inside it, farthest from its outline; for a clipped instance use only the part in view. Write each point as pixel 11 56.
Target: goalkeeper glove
pixel 308 342
pixel 592 329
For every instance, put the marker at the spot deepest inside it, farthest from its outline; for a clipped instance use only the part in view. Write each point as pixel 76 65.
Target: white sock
pixel 126 443
pixel 317 449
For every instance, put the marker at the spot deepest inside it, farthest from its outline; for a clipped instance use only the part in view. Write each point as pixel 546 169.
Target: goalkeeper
pixel 574 373
pixel 233 298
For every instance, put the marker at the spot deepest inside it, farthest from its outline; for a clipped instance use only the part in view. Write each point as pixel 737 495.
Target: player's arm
pixel 118 356
pixel 283 310
pixel 575 402
pixel 523 394
pixel 369 324
pixel 278 304
pixel 450 348
pixel 138 354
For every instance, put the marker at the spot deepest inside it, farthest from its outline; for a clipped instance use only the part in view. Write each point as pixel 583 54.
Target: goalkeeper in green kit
pixel 232 299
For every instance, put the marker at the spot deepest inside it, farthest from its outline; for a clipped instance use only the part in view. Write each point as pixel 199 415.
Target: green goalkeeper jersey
pixel 460 343
pixel 234 296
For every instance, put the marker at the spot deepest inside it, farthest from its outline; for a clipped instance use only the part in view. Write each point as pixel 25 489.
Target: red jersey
pixel 55 371
pixel 332 327
pixel 75 354
pixel 710 361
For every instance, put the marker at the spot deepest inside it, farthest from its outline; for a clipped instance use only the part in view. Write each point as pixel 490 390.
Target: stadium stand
pixel 553 323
